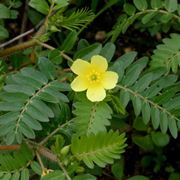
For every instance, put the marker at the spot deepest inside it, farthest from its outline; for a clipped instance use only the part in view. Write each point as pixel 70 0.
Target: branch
pixel 54 132
pixel 65 56
pixel 29 43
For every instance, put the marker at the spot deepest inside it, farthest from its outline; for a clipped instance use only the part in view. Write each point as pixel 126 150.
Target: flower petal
pixel 79 84
pixel 80 67
pixel 96 93
pixel 109 80
pixel 99 62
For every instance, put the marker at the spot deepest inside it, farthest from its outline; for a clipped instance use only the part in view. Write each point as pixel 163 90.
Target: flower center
pixel 94 77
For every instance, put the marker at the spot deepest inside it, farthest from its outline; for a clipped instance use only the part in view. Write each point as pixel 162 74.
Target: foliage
pixel 48 131
pixel 94 118
pixel 156 16
pixel 143 90
pixel 99 149
pixel 14 165
pixel 167 54
pixel 24 97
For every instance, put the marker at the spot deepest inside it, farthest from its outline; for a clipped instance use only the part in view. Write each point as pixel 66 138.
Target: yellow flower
pixel 93 77
pixel 45 172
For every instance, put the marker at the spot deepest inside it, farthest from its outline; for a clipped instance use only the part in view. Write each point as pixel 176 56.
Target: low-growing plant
pixel 71 109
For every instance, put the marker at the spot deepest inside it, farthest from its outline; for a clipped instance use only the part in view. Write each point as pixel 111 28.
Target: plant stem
pixel 40 161
pixel 64 170
pixel 18 47
pixel 17 37
pixel 29 43
pixel 54 132
pixel 65 56
pixel 145 99
pixel 9 147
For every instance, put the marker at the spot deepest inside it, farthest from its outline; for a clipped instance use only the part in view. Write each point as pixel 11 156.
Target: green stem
pixel 45 140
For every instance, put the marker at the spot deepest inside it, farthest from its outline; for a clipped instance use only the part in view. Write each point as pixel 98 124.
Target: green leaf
pixel 100 149
pixel 8 117
pixel 26 130
pixel 163 122
pixel 140 4
pixel 61 3
pixel 55 175
pixel 173 127
pixel 148 17
pixel 171 5
pixel 134 71
pixel 117 28
pixel 136 105
pixel 178 9
pixel 129 22
pixel 138 177
pixel 47 97
pixel 6 128
pixel 15 176
pixel 88 52
pixel 108 51
pixel 167 54
pixel 165 18
pixel 91 117
pixel 145 142
pixel 69 42
pixel 117 105
pixel 40 5
pixel 42 107
pixel 83 43
pixel 16 88
pixel 3 33
pixel 31 122
pixel 6 176
pixel 15 162
pixel 174 176
pixel 60 86
pixel 56 94
pixel 122 63
pixel 55 56
pixel 139 125
pixel 124 98
pixel 32 111
pixel 156 4
pixel 129 9
pixel 34 74
pixel 14 14
pixel 84 177
pixel 160 139
pixel 36 168
pixel 155 117
pixel 20 79
pixel 118 169
pixel 25 174
pixel 47 68
pixel 75 20
pixel 6 106
pixel 5 12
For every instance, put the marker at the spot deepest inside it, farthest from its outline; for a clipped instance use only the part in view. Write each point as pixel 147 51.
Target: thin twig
pixel 54 132
pixel 65 56
pixel 17 37
pixel 64 170
pixel 29 43
pixel 9 147
pixel 40 161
